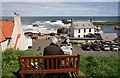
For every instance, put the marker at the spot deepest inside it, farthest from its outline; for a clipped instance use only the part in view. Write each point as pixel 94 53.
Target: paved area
pixel 76 49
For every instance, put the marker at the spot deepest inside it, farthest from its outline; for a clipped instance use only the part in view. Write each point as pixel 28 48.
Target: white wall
pixel 22 43
pixel 76 33
pixel 3 45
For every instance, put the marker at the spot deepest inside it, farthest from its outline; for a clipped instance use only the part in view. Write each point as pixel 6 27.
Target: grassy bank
pixel 10 62
pixel 90 65
pixel 100 66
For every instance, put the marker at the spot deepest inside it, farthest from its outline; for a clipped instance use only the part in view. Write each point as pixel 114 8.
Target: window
pixel 78 35
pixel 89 30
pixel 84 35
pixel 84 30
pixel 79 31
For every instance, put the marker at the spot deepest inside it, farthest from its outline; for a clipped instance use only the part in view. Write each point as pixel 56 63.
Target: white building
pixel 81 29
pixel 12 35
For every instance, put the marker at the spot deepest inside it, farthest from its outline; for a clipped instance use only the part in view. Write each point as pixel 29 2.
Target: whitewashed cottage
pixel 12 35
pixel 81 29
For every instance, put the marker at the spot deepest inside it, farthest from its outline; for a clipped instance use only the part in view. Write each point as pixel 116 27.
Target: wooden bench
pixel 49 64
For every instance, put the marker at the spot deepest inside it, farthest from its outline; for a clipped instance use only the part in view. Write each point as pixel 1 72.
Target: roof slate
pixel 83 25
pixel 109 36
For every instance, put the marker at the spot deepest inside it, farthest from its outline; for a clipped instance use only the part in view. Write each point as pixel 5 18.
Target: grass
pixel 10 62
pixel 100 66
pixel 90 65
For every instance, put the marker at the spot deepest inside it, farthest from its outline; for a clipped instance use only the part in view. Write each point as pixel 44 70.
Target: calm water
pixel 108 29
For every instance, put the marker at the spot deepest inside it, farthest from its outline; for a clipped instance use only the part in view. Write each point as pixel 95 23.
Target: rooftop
pixel 109 36
pixel 83 25
pixel 6 29
pixel 2 36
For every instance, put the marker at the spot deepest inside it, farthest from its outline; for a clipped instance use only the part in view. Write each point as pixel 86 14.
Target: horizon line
pixel 66 16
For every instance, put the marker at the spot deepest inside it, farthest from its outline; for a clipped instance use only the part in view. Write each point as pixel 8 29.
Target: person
pixel 53 48
pixel 38 48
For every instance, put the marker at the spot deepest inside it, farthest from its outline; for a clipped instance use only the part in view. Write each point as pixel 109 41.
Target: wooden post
pixel 20 63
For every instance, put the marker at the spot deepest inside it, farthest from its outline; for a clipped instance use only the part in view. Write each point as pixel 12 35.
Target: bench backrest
pixel 49 64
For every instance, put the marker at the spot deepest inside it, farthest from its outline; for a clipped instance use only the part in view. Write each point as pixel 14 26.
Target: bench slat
pixel 52 63
pixel 47 63
pixel 38 60
pixel 49 71
pixel 43 64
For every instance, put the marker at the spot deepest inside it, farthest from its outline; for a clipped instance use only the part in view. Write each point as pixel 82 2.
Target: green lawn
pixel 90 65
pixel 100 66
pixel 10 62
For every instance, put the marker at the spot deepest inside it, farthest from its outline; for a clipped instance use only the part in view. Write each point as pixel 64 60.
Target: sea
pixel 45 26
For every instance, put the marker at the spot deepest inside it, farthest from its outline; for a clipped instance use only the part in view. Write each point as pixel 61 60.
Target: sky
pixel 60 8
pixel 60 0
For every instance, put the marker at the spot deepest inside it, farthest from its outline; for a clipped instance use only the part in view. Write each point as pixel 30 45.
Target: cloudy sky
pixel 60 8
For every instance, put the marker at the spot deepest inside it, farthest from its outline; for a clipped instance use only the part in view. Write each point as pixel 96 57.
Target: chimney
pixel 72 21
pixel 91 20
pixel 17 22
pixel 17 18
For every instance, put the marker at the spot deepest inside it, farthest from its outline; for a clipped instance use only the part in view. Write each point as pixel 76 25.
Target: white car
pixel 106 47
pixel 114 48
pixel 66 50
pixel 69 45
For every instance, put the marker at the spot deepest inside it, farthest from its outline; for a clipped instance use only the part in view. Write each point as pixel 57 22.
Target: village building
pixel 12 35
pixel 81 29
pixel 109 36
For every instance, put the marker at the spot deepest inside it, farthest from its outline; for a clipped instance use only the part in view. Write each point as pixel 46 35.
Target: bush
pixel 99 66
pixel 10 62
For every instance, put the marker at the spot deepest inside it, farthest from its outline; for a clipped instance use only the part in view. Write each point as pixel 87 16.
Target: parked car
pixel 105 47
pixel 66 50
pixel 86 47
pixel 69 45
pixel 95 47
pixel 114 48
pixel 119 46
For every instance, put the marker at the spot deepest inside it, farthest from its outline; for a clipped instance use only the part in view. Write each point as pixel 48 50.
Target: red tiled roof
pixel 7 28
pixel 2 37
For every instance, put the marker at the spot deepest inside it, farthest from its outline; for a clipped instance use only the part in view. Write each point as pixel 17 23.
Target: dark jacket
pixel 53 49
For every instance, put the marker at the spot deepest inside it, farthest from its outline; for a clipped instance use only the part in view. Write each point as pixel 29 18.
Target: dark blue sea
pixel 28 20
